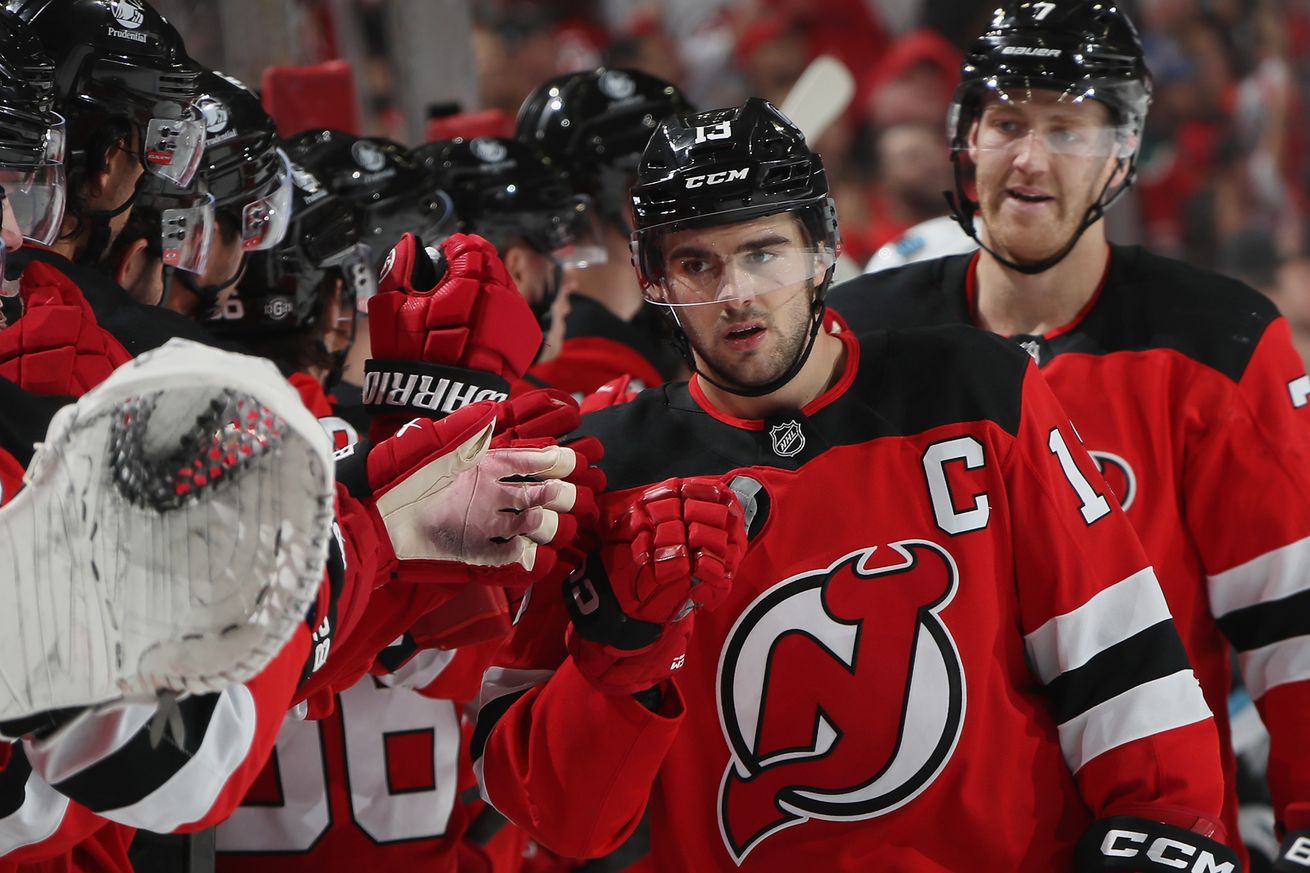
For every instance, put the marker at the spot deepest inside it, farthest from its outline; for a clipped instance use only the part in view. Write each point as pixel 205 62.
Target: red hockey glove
pixel 445 333
pixel 545 412
pixel 612 393
pixel 455 510
pixel 674 549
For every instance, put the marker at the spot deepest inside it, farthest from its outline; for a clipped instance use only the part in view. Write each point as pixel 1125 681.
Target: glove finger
pixel 551 462
pixel 537 524
pixel 705 513
pixel 710 490
pixel 552 494
pixel 708 538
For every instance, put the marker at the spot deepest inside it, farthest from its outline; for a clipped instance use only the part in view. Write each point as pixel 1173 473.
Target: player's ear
pixel 131 263
pixel 518 263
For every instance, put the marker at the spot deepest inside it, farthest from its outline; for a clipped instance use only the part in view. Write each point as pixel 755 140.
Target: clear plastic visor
pixel 56 139
pixel 173 147
pixel 187 232
pixel 577 236
pixel 37 197
pixel 356 265
pixel 264 222
pixel 695 273
pixel 1061 123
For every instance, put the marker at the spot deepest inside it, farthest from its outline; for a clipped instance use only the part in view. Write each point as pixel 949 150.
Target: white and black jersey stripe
pixel 30 810
pixel 1263 607
pixel 1115 670
pixel 501 686
pixel 107 763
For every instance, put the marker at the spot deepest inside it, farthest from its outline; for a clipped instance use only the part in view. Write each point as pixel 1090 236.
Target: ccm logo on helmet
pixel 1034 51
pixel 718 178
pixel 1164 851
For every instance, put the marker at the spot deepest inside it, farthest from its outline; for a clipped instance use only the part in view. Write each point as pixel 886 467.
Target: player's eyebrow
pixel 692 250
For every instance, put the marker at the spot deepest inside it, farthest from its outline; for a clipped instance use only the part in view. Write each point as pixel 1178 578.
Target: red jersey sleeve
pixel 1133 726
pixel 107 763
pixel 536 712
pixel 1247 498
pixel 37 822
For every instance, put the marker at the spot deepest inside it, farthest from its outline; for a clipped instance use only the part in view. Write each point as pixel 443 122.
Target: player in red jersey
pixel 1184 385
pixel 843 585
pixel 594 124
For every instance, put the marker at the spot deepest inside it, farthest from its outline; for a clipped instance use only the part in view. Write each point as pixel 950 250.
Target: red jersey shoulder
pixel 896 383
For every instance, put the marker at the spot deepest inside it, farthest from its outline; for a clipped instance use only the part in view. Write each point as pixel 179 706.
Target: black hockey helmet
pixel 595 124
pixel 122 59
pixel 723 167
pixel 245 170
pixel 282 288
pixel 380 180
pixel 502 189
pixel 25 53
pixel 1082 50
pixel 32 135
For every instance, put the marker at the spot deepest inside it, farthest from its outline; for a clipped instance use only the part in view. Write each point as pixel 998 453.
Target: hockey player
pixel 521 202
pixel 595 124
pixel 249 177
pixel 126 86
pixel 843 584
pixel 390 195
pixel 1184 386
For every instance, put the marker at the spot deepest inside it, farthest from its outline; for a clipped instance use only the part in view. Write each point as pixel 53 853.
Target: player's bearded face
pixel 1041 162
pixel 763 277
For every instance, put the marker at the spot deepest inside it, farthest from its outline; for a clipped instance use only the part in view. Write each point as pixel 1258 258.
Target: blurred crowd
pixel 1224 176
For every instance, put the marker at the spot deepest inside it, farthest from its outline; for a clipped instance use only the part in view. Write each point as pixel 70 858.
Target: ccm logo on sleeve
pixel 1167 852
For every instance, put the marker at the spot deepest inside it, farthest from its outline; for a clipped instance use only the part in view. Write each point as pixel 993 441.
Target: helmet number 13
pixel 722 130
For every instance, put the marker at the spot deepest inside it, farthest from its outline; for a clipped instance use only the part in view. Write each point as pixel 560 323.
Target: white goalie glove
pixel 172 534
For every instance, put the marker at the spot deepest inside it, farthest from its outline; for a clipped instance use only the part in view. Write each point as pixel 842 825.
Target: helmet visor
pixel 356 265
pixel 576 235
pixel 697 273
pixel 1011 118
pixel 187 231
pixel 56 141
pixel 37 197
pixel 264 221
pixel 174 146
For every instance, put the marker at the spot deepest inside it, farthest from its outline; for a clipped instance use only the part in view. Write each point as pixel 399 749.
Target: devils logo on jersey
pixel 1118 475
pixel 841 693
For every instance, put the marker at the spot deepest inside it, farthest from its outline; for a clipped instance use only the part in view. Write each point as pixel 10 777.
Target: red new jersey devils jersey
pixel 1186 390
pixel 941 625
pixel 378 782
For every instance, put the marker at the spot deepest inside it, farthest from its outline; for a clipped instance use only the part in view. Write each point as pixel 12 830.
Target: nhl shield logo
pixel 617 85
pixel 128 13
pixel 488 150
pixel 368 156
pixel 788 439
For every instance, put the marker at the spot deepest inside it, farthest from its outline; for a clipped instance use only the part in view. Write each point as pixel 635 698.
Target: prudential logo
pixel 128 13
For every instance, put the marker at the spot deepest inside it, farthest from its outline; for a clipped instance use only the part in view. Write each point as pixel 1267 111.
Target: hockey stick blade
pixel 819 97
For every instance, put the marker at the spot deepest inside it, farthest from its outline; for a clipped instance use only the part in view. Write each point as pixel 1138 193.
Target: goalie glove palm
pixel 672 551
pixel 456 509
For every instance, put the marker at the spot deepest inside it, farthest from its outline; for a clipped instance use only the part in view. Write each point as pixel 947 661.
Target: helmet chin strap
pixel 817 309
pixel 98 240
pixel 963 211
